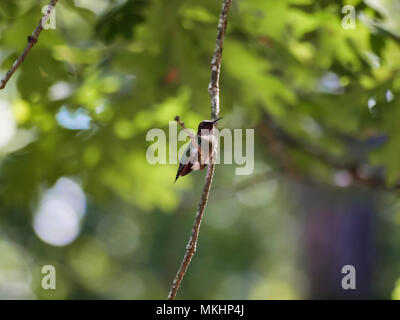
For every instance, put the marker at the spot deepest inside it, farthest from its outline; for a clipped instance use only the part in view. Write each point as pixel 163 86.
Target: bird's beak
pixel 217 120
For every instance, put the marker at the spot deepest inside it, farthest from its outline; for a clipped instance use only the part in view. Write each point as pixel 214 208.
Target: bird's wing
pixel 186 164
pixel 183 170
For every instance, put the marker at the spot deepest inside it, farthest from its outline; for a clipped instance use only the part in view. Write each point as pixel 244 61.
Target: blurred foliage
pixel 81 104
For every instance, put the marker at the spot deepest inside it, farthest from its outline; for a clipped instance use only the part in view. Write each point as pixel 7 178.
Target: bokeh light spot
pixel 61 209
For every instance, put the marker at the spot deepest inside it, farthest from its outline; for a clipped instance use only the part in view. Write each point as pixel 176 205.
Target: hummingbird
pixel 192 159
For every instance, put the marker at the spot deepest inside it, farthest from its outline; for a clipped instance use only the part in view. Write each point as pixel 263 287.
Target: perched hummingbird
pixel 192 159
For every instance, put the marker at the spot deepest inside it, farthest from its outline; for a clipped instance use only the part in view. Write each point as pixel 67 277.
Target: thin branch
pixel 32 40
pixel 192 138
pixel 387 32
pixel 285 138
pixel 279 140
pixel 213 90
pixel 228 191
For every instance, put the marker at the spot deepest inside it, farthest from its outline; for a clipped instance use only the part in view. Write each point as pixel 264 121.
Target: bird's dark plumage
pixel 183 170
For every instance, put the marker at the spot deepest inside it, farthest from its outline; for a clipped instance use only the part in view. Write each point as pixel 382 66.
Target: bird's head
pixel 206 125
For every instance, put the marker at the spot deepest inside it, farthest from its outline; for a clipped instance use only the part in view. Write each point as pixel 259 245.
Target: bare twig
pixel 192 138
pixel 213 90
pixel 32 40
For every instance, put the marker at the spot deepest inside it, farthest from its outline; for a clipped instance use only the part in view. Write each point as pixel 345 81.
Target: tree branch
pixel 190 135
pixel 32 40
pixel 213 90
pixel 279 140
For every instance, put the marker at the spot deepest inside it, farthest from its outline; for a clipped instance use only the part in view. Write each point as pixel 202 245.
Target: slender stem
pixel 32 40
pixel 190 135
pixel 213 90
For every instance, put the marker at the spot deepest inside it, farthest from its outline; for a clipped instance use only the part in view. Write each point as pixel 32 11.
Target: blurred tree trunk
pixel 338 227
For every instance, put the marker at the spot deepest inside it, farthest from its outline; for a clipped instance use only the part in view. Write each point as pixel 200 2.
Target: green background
pixel 73 124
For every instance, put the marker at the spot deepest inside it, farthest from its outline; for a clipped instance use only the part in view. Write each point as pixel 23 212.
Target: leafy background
pixel 76 191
